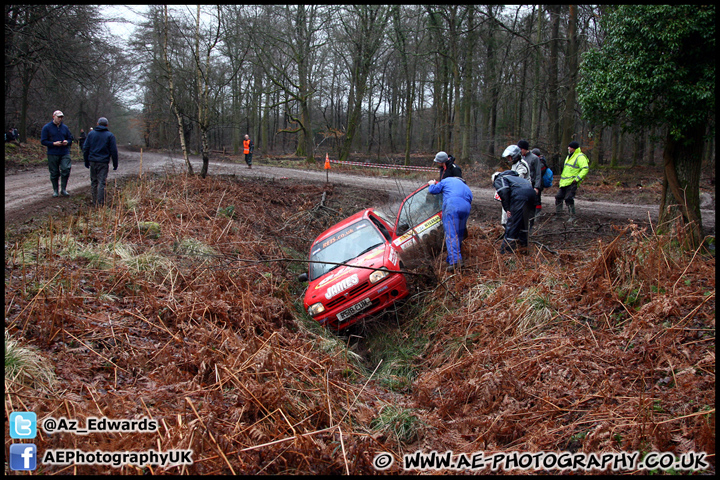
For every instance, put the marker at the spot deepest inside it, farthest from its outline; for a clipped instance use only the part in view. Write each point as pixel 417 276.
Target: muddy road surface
pixel 28 193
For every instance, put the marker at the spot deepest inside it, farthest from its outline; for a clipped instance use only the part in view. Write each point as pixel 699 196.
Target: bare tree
pixel 289 38
pixel 568 122
pixel 203 87
pixel 364 28
pixel 171 89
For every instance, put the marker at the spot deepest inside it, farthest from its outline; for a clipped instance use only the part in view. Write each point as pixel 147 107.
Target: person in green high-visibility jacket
pixel 574 171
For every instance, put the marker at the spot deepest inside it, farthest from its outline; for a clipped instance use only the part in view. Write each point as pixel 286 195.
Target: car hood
pixel 340 279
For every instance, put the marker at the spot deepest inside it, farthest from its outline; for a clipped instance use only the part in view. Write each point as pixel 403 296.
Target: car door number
pixel 349 312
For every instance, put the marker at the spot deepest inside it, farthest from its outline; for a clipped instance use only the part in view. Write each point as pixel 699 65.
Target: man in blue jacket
pixel 57 138
pixel 457 199
pixel 100 146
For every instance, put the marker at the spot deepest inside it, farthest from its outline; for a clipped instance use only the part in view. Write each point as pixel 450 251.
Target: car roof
pixel 360 215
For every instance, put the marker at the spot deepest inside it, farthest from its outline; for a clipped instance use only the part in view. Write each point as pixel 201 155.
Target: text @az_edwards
pixel 100 425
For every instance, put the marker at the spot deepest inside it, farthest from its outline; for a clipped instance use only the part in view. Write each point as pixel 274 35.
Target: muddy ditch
pixel 179 302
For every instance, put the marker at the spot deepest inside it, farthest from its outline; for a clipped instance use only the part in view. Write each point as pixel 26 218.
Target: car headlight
pixel 378 275
pixel 316 309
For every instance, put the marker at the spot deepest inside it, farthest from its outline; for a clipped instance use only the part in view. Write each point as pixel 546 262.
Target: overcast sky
pixel 121 19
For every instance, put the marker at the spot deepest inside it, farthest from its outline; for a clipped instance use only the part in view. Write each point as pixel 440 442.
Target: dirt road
pixel 28 193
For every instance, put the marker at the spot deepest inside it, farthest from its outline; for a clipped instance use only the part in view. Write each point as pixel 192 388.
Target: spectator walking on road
pixel 100 147
pixel 457 199
pixel 248 147
pixel 56 136
pixel 574 171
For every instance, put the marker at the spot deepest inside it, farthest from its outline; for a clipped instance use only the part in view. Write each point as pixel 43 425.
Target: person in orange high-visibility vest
pixel 248 147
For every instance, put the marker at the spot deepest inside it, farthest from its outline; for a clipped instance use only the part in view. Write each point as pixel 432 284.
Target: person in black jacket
pixel 447 166
pixel 100 147
pixel 518 199
pixel 535 170
pixel 81 139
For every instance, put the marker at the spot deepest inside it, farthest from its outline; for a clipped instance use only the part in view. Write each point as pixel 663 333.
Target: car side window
pixel 416 209
pixel 383 229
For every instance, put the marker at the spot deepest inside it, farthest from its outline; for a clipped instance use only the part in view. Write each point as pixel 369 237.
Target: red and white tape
pixel 392 167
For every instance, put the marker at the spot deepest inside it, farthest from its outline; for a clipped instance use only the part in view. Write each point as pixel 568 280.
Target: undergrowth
pixel 198 324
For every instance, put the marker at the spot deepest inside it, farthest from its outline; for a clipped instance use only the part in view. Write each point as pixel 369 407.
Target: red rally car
pixel 355 266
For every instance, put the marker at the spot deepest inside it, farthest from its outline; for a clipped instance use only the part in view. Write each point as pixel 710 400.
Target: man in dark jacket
pixel 81 140
pixel 535 168
pixel 56 136
pixel 518 199
pixel 447 166
pixel 100 146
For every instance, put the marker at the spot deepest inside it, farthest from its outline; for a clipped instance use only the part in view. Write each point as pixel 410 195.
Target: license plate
pixel 358 307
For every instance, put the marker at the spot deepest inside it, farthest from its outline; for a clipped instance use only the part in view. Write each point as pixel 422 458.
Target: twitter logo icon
pixel 23 425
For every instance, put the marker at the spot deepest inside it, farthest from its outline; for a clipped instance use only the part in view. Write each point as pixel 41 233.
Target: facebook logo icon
pixel 23 425
pixel 23 456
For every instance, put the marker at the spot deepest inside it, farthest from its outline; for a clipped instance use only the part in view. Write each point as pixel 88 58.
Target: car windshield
pixel 356 239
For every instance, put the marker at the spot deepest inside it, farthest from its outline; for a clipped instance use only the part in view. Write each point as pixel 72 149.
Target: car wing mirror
pixel 303 277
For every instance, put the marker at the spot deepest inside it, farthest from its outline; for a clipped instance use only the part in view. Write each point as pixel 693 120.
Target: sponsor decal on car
pixel 393 257
pixel 341 286
pixel 429 223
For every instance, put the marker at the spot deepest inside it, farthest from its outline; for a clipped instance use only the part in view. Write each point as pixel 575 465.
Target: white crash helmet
pixel 512 151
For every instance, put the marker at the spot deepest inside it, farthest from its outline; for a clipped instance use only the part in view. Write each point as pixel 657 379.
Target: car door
pixel 419 231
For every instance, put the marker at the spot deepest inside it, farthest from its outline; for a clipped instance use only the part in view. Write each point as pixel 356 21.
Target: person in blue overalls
pixel 457 199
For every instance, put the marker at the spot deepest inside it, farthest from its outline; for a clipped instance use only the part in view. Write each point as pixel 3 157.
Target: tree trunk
pixel 597 151
pixel 492 86
pixel 27 76
pixel 173 104
pixel 568 130
pixel 535 119
pixel 616 142
pixel 555 150
pixel 680 202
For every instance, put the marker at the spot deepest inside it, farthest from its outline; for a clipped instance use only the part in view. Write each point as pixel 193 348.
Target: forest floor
pixel 179 302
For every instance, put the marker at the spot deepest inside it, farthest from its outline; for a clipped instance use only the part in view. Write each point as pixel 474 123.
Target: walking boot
pixel 63 186
pixel 571 211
